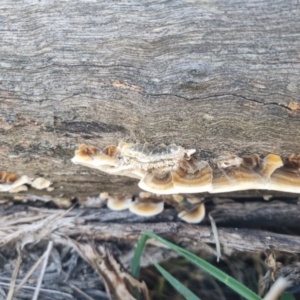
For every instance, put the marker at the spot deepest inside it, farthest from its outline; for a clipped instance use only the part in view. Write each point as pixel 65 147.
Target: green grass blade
pixel 135 264
pixel 287 297
pixel 183 290
pixel 215 272
pixel 223 277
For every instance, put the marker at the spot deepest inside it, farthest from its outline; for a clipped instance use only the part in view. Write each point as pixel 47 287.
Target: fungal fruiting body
pixel 12 183
pixel 118 202
pixel 194 216
pixel 40 183
pixel 249 173
pixel 173 169
pixel 287 178
pixel 149 205
pixel 146 208
pixel 161 169
pixel 145 205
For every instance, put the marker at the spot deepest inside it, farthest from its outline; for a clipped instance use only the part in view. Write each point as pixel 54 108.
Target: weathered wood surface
pixel 215 75
pixel 275 215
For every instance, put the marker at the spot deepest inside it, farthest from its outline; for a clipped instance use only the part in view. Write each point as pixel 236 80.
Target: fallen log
pixel 215 77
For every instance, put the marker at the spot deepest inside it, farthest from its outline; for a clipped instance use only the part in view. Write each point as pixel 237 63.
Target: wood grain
pixel 218 76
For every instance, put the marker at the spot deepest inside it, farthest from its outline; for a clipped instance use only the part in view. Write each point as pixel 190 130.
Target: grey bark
pixel 20 223
pixel 215 75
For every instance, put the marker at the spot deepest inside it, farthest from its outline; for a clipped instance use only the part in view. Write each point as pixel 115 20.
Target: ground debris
pixel 89 244
pixel 56 284
pixel 119 283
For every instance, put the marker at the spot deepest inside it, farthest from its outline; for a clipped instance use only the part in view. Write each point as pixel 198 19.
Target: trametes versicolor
pixel 12 183
pixel 167 170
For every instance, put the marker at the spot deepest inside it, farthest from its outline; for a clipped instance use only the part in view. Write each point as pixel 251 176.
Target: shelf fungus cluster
pixel 167 170
pixel 191 210
pixel 12 183
pixel 175 170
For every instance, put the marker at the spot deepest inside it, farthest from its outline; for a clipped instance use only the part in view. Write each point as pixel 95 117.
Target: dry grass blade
pixel 27 231
pixel 15 274
pixel 280 285
pixel 38 286
pixel 119 283
pixel 15 218
pixel 31 271
pixel 52 292
pixel 216 236
pixel 81 292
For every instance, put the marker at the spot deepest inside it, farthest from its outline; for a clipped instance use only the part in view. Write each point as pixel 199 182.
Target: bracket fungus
pixel 146 207
pixel 116 202
pixel 161 169
pixel 167 170
pixel 41 183
pixel 158 182
pixel 173 169
pixel 19 188
pixel 287 178
pixel 194 216
pixel 12 183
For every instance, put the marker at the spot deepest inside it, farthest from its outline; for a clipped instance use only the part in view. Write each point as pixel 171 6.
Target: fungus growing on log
pixel 269 164
pixel 117 202
pixel 11 182
pixel 146 207
pixel 192 176
pixel 41 183
pixel 287 178
pixel 7 177
pixel 172 169
pixel 17 189
pixel 158 182
pixel 194 216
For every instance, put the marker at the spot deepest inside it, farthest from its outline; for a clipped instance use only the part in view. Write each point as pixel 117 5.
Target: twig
pixel 74 287
pixel 133 226
pixel 14 275
pixel 239 239
pixel 38 286
pixel 42 290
